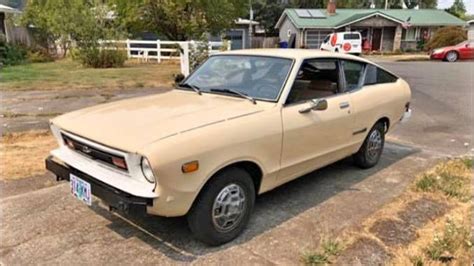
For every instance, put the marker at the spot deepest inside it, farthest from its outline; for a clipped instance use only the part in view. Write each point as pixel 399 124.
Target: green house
pixel 385 30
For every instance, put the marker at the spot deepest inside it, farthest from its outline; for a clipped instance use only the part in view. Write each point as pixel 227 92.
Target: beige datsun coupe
pixel 244 123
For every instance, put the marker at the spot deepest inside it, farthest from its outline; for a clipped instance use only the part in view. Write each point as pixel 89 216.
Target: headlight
pixel 147 170
pixel 437 51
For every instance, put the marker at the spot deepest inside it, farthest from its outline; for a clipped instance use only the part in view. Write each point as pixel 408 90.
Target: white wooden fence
pixel 163 50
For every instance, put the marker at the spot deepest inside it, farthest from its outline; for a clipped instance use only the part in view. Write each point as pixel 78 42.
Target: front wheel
pixel 371 150
pixel 452 56
pixel 222 210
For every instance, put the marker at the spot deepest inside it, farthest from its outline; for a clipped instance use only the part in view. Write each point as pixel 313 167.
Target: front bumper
pixel 439 56
pixel 115 198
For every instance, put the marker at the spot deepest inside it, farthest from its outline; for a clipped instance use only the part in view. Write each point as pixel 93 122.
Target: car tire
pixel 230 192
pixel 372 148
pixel 452 56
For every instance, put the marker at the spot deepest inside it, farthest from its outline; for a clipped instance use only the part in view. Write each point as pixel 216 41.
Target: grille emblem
pixel 86 149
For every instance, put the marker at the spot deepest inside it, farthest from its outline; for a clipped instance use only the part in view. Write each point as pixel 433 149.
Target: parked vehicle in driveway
pixel 349 42
pixel 464 50
pixel 244 123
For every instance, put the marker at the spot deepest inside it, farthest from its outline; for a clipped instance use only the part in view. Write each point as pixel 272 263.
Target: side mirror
pixel 178 78
pixel 315 105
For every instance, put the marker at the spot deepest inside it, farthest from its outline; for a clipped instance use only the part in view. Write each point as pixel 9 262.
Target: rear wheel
pixel 371 150
pixel 222 210
pixel 452 56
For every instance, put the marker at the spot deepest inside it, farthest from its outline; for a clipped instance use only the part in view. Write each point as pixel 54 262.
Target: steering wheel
pixel 267 91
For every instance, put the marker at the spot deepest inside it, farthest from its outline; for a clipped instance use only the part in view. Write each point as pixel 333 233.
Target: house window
pixel 409 34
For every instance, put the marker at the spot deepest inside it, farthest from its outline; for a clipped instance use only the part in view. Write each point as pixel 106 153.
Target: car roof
pixel 293 54
pixel 300 54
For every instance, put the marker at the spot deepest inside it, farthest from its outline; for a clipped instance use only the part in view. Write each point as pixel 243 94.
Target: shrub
pixel 105 58
pixel 446 36
pixel 39 56
pixel 11 54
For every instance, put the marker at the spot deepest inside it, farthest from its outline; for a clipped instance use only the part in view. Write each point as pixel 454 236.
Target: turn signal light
pixel 190 167
pixel 70 144
pixel 119 162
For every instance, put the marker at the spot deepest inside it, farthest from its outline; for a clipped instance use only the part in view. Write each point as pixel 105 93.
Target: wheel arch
pixel 253 168
pixel 386 121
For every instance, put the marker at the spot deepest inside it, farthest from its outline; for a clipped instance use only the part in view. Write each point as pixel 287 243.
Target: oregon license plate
pixel 80 189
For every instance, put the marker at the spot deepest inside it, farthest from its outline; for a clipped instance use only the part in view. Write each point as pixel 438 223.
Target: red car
pixel 464 50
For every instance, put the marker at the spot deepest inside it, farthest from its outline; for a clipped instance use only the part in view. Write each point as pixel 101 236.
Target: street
pixel 48 226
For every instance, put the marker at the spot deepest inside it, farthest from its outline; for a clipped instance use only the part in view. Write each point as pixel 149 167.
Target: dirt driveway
pixel 48 226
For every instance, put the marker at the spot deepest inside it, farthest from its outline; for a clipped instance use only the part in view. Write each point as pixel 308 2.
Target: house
pixel 239 33
pixel 4 24
pixel 470 32
pixel 385 30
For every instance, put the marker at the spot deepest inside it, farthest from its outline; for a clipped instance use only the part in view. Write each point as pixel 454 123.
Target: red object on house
pixel 366 45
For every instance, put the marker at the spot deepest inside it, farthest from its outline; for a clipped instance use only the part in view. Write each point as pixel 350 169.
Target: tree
pixel 458 9
pixel 446 36
pixel 180 19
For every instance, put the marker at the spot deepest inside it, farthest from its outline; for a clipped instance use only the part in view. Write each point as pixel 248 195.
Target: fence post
pixel 184 58
pixel 129 53
pixel 158 50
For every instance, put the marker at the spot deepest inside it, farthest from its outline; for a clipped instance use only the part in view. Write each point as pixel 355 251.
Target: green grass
pixel 329 249
pixel 64 74
pixel 449 178
pixel 454 237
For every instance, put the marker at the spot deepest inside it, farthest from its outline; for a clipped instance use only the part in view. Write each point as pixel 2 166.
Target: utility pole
pixel 386 4
pixel 250 24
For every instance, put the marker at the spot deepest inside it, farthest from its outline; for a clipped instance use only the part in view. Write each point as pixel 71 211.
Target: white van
pixel 343 42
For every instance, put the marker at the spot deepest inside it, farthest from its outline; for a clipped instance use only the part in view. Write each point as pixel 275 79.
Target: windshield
pixel 259 77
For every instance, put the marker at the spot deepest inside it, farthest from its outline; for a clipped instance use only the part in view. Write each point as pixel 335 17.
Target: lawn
pixel 66 74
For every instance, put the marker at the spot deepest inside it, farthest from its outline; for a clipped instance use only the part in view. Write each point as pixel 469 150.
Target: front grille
pixel 92 152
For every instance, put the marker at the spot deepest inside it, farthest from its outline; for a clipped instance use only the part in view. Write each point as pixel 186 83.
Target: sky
pixel 447 3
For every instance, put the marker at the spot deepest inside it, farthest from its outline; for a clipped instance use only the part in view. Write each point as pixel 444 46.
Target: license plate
pixel 80 189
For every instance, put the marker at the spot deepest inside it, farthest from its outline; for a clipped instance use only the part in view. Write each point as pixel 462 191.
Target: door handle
pixel 344 105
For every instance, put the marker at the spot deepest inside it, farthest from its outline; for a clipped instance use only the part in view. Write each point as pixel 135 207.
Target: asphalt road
pixel 443 105
pixel 48 226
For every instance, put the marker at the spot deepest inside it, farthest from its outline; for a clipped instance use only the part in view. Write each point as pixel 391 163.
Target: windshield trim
pixel 276 100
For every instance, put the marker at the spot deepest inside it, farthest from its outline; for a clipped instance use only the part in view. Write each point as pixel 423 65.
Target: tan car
pixel 242 124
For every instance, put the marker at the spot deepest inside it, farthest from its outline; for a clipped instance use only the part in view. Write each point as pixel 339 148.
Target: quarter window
pixel 317 78
pixel 375 75
pixel 353 72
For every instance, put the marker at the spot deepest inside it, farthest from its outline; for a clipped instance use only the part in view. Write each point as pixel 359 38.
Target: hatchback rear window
pixel 351 36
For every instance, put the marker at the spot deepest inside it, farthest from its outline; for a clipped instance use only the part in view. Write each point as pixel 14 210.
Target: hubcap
pixel 374 145
pixel 451 56
pixel 228 208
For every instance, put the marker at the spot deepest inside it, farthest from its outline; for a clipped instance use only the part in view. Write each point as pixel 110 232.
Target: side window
pixel 375 75
pixel 351 36
pixel 317 78
pixel 353 72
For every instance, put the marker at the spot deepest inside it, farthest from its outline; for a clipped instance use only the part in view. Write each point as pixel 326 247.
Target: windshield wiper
pixel 236 92
pixel 194 87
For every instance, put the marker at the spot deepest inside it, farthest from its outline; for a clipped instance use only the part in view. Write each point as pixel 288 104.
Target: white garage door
pixel 314 38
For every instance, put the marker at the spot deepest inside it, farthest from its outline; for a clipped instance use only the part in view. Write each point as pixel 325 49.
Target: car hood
pixel 131 124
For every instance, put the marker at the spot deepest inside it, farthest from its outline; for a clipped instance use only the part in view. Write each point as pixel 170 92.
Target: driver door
pixel 467 51
pixel 318 137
